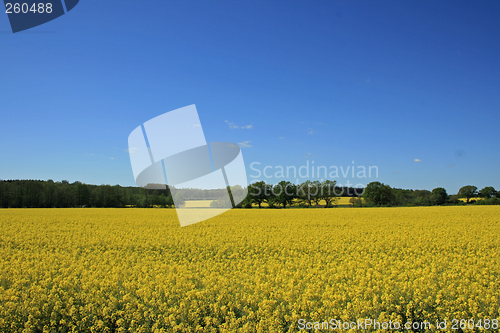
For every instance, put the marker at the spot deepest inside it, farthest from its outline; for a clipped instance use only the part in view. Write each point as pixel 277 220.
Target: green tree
pixel 284 193
pixel 170 201
pixel 179 200
pixel 378 194
pixel 238 195
pixel 49 195
pixel 327 192
pixel 438 196
pixel 488 192
pixel 304 193
pixel 403 197
pixel 422 197
pixel 356 202
pixel 315 192
pixel 82 194
pixel 259 192
pixel 467 192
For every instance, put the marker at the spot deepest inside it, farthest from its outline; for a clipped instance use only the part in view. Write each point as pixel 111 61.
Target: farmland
pixel 258 270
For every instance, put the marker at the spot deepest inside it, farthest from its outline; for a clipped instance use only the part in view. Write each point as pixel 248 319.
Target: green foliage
pixel 467 192
pixel 304 194
pixel 179 200
pixel 379 194
pixel 438 196
pixel 258 193
pixel 284 193
pixel 403 197
pixel 488 192
pixel 356 202
pixel 50 194
pixel 489 201
pixel 327 192
pixel 170 201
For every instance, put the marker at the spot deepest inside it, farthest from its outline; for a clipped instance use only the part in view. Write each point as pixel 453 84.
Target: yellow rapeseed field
pixel 198 203
pixel 259 270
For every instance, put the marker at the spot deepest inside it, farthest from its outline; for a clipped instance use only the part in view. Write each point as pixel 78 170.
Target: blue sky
pixel 383 84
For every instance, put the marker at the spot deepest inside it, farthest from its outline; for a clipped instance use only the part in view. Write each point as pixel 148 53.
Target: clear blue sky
pixel 381 83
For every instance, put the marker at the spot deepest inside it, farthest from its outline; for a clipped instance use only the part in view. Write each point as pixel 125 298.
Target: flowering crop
pixel 136 270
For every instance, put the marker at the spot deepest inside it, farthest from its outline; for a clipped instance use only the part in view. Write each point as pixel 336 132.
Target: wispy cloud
pixel 310 131
pixel 236 126
pixel 309 155
pixel 417 160
pixel 451 165
pixel 231 124
pixel 245 144
pixel 281 137
pixel 131 150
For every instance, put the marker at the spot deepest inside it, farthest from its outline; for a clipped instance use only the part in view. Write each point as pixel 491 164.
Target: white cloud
pixel 130 150
pixel 417 160
pixel 236 126
pixel 310 131
pixel 231 124
pixel 245 144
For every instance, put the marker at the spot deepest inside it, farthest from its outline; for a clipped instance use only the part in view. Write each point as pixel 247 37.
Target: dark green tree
pixel 284 193
pixel 378 194
pixel 467 192
pixel 421 197
pixel 315 192
pixel 488 192
pixel 179 200
pixel 259 192
pixel 327 192
pixel 438 196
pixel 82 194
pixel 304 193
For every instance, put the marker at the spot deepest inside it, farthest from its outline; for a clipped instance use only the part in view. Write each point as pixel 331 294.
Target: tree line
pixel 326 193
pixel 49 194
pixel 379 194
pixel 307 194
